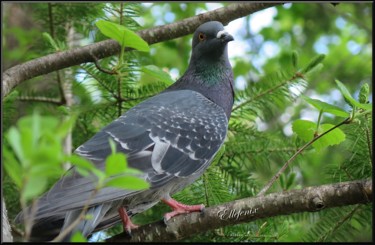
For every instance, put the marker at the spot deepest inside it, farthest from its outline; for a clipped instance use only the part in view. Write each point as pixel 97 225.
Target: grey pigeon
pixel 172 137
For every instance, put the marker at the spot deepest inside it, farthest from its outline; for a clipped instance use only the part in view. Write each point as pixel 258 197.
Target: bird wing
pixel 172 135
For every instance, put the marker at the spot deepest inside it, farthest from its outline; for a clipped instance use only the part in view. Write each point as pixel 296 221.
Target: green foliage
pixel 308 130
pixel 123 35
pixel 349 99
pixel 157 73
pixel 38 155
pixel 325 107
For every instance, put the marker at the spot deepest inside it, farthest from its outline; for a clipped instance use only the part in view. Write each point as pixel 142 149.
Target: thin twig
pixel 282 169
pixel 96 62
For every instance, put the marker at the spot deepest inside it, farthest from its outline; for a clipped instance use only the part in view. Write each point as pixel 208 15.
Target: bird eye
pixel 201 36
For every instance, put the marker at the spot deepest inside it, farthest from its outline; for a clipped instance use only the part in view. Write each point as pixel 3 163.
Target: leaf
pixel 158 73
pixel 290 181
pixel 80 162
pixel 334 137
pixel 349 99
pixel 34 186
pixel 320 105
pixel 12 167
pixel 115 164
pixel 50 40
pixel 128 183
pixel 314 62
pixel 123 35
pixel 46 170
pixel 65 126
pixel 364 93
pixel 14 139
pixel 83 166
pixel 282 181
pixel 112 144
pixel 306 130
pixel 314 70
pixel 100 175
pixel 78 237
pixel 295 59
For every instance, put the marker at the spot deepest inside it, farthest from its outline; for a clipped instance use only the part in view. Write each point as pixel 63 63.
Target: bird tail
pixel 85 226
pixel 46 229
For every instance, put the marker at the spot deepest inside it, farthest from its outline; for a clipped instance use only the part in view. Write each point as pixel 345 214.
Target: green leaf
pixel 34 186
pixel 123 35
pixel 306 130
pixel 81 163
pixel 320 105
pixel 282 181
pixel 46 170
pixel 65 127
pixel 128 183
pixel 115 164
pixel 83 166
pixel 334 137
pixel 78 237
pixel 314 62
pixel 112 144
pixel 290 181
pixel 12 167
pixel 349 99
pixel 100 175
pixel 364 93
pixel 158 73
pixel 49 39
pixel 295 59
pixel 14 139
pixel 315 70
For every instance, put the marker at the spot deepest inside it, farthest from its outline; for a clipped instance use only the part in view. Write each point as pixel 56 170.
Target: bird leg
pixel 180 208
pixel 126 222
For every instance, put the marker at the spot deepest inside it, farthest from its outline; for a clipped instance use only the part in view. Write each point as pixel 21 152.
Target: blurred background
pixel 260 55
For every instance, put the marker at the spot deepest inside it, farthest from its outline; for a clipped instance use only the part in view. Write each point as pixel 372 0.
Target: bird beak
pixel 224 36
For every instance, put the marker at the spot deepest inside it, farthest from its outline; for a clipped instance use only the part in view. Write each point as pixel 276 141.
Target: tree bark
pixel 57 61
pixel 6 235
pixel 309 199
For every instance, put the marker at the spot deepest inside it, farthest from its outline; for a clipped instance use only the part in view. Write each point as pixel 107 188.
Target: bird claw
pixel 128 227
pixel 179 208
pixel 126 222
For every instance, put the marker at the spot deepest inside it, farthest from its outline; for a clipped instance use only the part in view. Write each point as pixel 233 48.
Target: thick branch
pixel 249 209
pixel 57 61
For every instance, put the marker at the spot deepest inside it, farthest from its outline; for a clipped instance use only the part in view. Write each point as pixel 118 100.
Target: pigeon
pixel 171 137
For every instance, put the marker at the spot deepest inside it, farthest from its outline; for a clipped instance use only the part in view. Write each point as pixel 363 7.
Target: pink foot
pixel 126 222
pixel 180 208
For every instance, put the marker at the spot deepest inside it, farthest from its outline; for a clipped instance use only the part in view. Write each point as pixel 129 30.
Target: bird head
pixel 210 41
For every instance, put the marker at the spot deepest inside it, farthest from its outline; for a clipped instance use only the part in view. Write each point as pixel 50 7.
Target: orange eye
pixel 201 36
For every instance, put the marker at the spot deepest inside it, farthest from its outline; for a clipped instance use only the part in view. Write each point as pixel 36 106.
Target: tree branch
pixel 309 199
pixel 57 61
